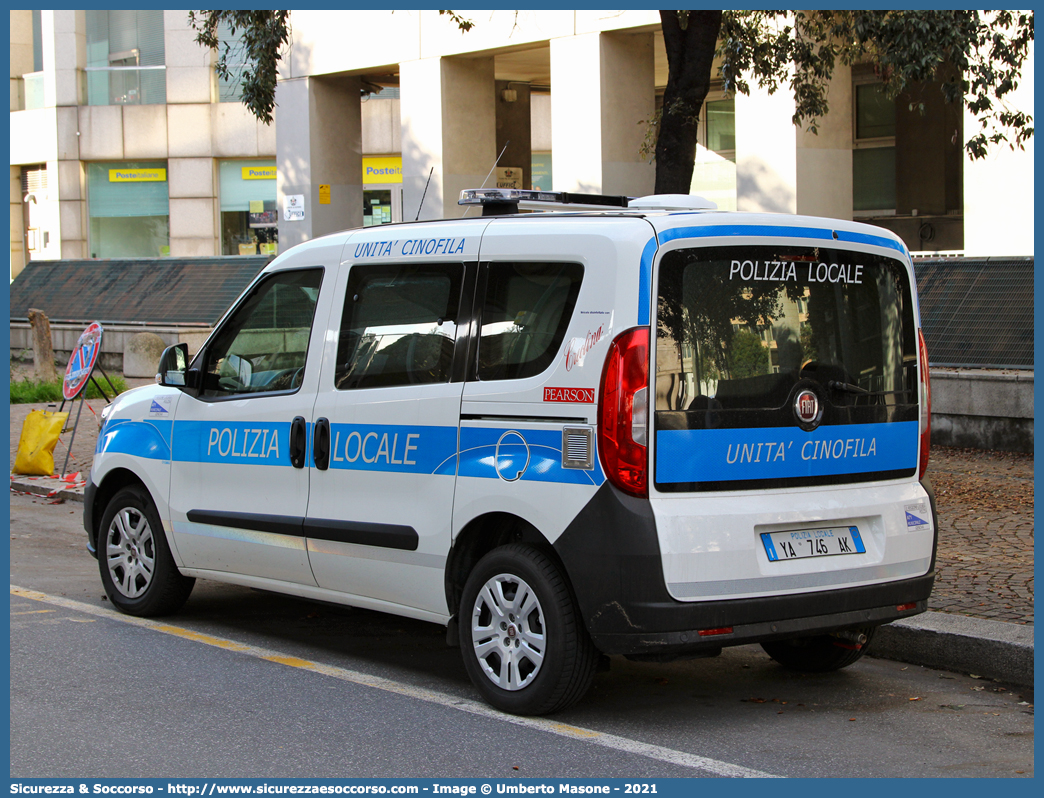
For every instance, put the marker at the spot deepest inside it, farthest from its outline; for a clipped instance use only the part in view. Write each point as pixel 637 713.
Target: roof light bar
pixel 498 201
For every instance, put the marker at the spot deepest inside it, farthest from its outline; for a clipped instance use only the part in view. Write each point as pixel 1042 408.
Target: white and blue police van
pixel 612 426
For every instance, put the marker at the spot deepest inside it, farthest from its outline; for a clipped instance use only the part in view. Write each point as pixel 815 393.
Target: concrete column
pixel 448 117
pixel 64 56
pixel 21 51
pixel 824 161
pixel 319 142
pixel 194 228
pixel 381 127
pixel 602 87
pixel 189 150
pixel 69 183
pixel 17 223
pixel 60 214
pixel 998 189
pixel 766 152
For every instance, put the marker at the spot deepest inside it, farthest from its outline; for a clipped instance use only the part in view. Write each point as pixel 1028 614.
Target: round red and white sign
pixel 806 407
pixel 81 364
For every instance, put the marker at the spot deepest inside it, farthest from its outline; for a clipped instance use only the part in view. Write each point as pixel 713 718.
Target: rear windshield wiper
pixel 850 388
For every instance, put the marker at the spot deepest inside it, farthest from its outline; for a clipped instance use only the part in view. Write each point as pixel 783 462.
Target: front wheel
pixel 137 569
pixel 524 644
pixel 821 653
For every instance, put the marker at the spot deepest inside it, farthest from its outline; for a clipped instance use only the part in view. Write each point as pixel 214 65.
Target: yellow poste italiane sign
pixel 386 169
pixel 258 173
pixel 149 175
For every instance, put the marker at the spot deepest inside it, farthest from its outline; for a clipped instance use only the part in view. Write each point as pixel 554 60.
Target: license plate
pixel 801 543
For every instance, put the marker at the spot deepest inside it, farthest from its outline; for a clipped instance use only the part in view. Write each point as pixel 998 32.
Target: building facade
pixel 123 140
pixel 124 143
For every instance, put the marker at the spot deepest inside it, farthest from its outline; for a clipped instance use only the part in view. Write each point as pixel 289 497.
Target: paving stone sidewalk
pixel 985 559
pixel 985 499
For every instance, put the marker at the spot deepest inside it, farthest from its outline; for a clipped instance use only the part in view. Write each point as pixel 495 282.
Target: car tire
pixel 137 569
pixel 819 654
pixel 524 644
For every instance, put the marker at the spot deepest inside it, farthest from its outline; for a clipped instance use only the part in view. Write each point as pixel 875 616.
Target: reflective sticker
pixel 582 395
pixel 577 348
pixel 916 516
pixel 160 407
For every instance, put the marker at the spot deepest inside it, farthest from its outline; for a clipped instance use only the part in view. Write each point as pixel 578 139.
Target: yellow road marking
pixel 574 731
pixel 30 612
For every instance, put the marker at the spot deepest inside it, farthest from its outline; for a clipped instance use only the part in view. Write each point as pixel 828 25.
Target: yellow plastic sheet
pixel 36 446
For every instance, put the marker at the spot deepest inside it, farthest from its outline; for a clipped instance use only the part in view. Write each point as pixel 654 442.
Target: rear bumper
pixel 773 618
pixel 611 553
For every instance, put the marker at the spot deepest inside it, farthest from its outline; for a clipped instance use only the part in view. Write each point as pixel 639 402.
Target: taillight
pixel 925 403
pixel 623 412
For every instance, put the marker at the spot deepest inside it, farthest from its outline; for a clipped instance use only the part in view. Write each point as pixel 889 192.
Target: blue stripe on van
pixel 773 231
pixel 407 449
pixel 233 442
pixel 529 455
pixel 722 455
pixel 148 439
pixel 645 280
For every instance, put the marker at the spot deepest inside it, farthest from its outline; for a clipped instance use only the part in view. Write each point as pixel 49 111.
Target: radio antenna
pixel 490 172
pixel 424 194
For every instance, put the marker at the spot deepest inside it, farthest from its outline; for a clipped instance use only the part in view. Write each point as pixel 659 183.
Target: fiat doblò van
pixel 611 426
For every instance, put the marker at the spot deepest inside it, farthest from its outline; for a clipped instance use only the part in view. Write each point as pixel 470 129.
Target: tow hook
pixel 858 639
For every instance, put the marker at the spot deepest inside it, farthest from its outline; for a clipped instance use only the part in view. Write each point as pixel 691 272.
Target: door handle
pixel 321 444
pixel 298 442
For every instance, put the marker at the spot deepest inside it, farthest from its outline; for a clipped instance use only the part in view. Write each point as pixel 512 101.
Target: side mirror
pixel 173 364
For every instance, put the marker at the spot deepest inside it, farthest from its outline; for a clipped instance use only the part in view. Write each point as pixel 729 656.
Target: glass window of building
pixel 37 17
pixel 873 154
pixel 721 127
pixel 248 207
pixel 540 170
pixel 230 89
pixel 376 207
pixel 129 209
pixel 125 58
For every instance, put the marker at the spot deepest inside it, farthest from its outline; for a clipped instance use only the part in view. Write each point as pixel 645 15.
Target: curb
pixel 993 649
pixel 49 487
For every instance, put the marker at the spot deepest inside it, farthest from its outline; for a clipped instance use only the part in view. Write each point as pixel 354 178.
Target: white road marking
pixel 657 752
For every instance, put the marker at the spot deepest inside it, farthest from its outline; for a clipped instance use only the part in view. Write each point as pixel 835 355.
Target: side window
pixel 262 345
pixel 524 317
pixel 398 325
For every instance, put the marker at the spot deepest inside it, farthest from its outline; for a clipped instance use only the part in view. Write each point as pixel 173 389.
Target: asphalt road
pixel 243 683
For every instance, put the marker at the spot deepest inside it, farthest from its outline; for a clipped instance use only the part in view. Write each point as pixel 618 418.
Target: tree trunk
pixel 43 351
pixel 690 57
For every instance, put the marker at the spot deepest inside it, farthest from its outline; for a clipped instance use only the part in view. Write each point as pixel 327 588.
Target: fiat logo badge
pixel 806 407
